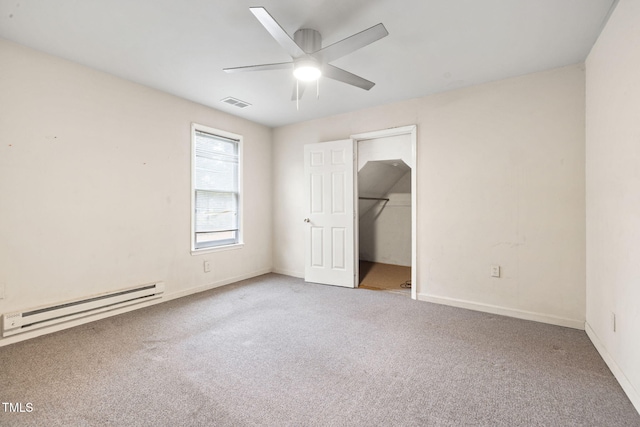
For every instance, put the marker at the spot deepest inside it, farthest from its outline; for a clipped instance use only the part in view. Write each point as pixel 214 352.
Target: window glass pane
pixel 216 211
pixel 204 240
pixel 216 163
pixel 208 145
pixel 216 175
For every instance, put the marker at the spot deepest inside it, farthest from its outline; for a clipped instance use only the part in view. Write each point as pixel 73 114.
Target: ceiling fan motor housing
pixel 309 40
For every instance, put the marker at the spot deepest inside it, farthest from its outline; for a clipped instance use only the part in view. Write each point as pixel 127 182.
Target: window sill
pixel 217 249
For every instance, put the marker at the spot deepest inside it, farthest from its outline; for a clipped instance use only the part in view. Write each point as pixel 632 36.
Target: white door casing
pixel 329 198
pixel 410 130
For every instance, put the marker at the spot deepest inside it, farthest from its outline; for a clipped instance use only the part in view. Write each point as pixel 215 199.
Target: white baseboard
pixel 627 386
pixel 166 297
pixel 504 311
pixel 291 273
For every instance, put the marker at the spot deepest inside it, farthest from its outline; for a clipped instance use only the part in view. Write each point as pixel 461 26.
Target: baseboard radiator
pixel 28 320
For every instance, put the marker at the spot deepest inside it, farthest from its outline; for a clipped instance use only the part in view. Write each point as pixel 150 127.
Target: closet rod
pixel 373 198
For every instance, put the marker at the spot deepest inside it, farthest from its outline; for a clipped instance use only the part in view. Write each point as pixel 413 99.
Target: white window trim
pixel 198 127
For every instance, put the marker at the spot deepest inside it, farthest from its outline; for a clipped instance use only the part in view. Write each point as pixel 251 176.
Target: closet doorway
pixel 386 210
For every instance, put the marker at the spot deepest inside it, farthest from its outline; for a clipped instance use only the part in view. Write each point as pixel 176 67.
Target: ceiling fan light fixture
pixel 307 71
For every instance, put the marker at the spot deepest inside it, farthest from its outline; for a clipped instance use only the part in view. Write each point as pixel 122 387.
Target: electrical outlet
pixel 613 321
pixel 495 271
pixel 207 266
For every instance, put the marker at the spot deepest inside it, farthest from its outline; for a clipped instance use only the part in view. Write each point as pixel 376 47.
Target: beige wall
pixel 95 185
pixel 613 195
pixel 500 181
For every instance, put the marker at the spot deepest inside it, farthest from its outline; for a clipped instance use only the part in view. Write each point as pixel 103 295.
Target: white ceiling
pixel 181 46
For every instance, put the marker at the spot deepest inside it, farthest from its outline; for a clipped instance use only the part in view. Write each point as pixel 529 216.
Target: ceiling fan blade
pixel 263 67
pixel 351 44
pixel 341 75
pixel 277 32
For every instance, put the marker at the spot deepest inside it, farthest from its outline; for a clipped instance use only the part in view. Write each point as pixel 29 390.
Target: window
pixel 216 188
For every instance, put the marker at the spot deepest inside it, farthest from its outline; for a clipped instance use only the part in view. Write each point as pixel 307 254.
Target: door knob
pixel 307 220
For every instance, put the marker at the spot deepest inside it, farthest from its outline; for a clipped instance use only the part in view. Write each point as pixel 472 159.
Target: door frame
pixel 412 131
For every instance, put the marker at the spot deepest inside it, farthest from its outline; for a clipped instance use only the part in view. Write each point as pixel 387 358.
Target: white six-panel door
pixel 330 223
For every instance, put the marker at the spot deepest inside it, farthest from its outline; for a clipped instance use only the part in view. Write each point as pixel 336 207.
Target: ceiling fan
pixel 310 60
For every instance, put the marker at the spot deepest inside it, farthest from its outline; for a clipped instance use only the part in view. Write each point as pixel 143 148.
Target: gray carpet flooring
pixel 277 351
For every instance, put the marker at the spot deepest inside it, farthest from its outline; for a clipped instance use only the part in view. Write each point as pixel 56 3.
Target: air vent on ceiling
pixel 235 102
